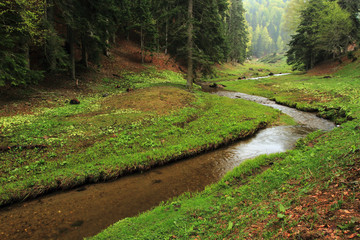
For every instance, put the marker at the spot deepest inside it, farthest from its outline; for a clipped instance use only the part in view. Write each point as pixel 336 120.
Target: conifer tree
pixel 324 32
pixel 144 22
pixel 20 28
pixel 237 35
pixel 303 53
pixel 353 7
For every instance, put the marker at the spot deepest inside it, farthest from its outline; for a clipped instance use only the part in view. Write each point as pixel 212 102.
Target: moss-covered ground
pixel 311 192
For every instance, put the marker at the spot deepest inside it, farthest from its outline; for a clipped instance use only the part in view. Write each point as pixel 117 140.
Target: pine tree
pixel 91 23
pixel 335 27
pixel 303 54
pixel 237 34
pixel 20 29
pixel 267 14
pixel 292 15
pixel 353 7
pixel 324 32
pixel 144 22
pixel 209 33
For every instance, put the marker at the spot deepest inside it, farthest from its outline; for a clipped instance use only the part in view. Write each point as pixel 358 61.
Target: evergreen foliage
pixel 292 15
pixel 265 18
pixel 20 23
pixel 210 45
pixel 353 7
pixel 325 31
pixel 237 34
pixel 58 28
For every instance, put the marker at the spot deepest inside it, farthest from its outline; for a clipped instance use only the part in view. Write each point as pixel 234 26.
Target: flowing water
pixel 87 210
pixel 275 75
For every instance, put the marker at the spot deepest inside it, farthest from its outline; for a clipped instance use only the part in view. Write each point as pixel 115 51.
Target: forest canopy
pixel 52 30
pixel 43 36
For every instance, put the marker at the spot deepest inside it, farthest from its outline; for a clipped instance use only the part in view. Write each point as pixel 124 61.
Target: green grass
pixel 104 138
pixel 251 69
pixel 336 98
pixel 275 196
pixel 242 199
pixel 147 78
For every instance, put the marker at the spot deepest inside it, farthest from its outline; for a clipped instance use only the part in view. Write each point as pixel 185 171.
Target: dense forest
pixel 46 36
pixel 53 35
pixel 265 19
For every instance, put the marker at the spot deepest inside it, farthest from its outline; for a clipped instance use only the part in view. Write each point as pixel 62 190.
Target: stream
pixel 87 210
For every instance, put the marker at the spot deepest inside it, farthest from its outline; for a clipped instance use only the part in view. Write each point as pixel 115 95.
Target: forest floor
pixel 56 88
pixel 311 192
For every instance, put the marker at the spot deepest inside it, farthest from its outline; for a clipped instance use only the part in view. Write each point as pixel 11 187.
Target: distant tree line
pixel 266 26
pixel 49 35
pixel 325 30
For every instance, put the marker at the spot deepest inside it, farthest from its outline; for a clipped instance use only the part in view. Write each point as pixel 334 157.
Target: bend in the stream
pixel 86 211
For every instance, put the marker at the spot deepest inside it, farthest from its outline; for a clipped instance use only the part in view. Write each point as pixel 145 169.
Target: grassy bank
pixel 311 192
pixel 107 136
pixel 291 195
pixel 251 69
pixel 334 96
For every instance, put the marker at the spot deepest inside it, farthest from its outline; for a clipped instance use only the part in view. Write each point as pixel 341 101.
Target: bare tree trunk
pixel 166 35
pixel 50 47
pixel 71 41
pixel 114 38
pixel 84 52
pixel 127 32
pixel 27 55
pixel 142 45
pixel 157 40
pixel 190 80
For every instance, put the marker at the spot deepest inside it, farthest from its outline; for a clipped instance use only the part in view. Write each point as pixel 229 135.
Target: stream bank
pixel 85 211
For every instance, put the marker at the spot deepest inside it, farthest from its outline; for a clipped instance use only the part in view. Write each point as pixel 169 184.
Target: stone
pixel 74 101
pixel 129 89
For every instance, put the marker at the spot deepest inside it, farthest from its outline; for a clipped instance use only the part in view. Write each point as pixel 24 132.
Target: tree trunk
pixel 189 83
pixel 71 41
pixel 142 45
pixel 51 42
pixel 27 55
pixel 84 52
pixel 166 35
pixel 127 32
